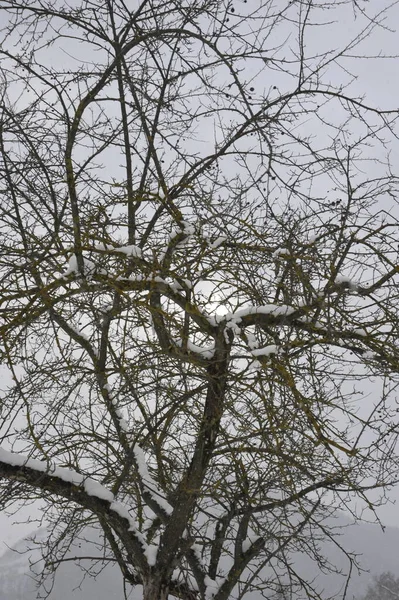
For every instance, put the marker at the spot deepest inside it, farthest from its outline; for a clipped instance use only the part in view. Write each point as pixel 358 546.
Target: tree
pixel 199 271
pixel 385 587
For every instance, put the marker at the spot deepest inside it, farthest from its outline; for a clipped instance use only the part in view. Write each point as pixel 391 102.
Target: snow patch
pixel 361 332
pixel 218 242
pixel 266 351
pixel 131 250
pixel 188 228
pixel 346 282
pixel 211 587
pixel 151 553
pixel 252 341
pixel 281 253
pixel 88 267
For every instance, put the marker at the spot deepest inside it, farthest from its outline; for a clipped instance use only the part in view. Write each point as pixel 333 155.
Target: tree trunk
pixel 155 590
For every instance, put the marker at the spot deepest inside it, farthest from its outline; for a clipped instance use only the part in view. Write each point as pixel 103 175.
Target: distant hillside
pixel 379 553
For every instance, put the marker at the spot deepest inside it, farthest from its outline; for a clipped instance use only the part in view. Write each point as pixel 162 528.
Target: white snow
pixel 211 587
pixel 137 277
pixel 72 266
pixel 361 332
pixel 79 332
pixel 182 576
pixel 131 250
pixel 344 280
pixel 204 351
pixel 122 511
pixel 106 308
pixel 151 553
pixel 148 481
pixel 93 488
pixel 233 325
pixel 266 351
pixel 188 228
pixel 175 286
pixel 220 240
pixel 196 548
pixel 267 309
pixel 88 266
pixel 283 252
pixel 188 283
pixel 251 340
pixel 159 279
pixel 173 234
pixel 123 424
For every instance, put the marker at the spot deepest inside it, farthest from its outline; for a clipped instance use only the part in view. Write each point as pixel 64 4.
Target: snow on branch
pixel 206 352
pixel 265 351
pixel 73 269
pixel 346 283
pixel 133 251
pixel 249 316
pixel 47 476
pixel 267 309
pixel 148 482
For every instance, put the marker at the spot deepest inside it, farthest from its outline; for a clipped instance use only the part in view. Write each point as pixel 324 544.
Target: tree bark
pixel 155 590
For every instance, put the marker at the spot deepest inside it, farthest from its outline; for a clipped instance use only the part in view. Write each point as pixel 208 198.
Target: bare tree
pixel 199 284
pixel 385 587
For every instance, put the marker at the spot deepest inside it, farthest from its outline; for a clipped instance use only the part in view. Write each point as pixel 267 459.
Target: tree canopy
pixel 199 266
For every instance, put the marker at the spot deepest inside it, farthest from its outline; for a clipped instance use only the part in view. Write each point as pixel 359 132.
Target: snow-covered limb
pixel 277 314
pixel 85 491
pixel 211 589
pixel 344 282
pixel 204 351
pixel 218 242
pixel 73 269
pixel 177 238
pixel 128 250
pixel 92 496
pixel 281 253
pixel 265 351
pixel 267 309
pixel 92 487
pixel 133 251
pixel 184 231
pixel 148 483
